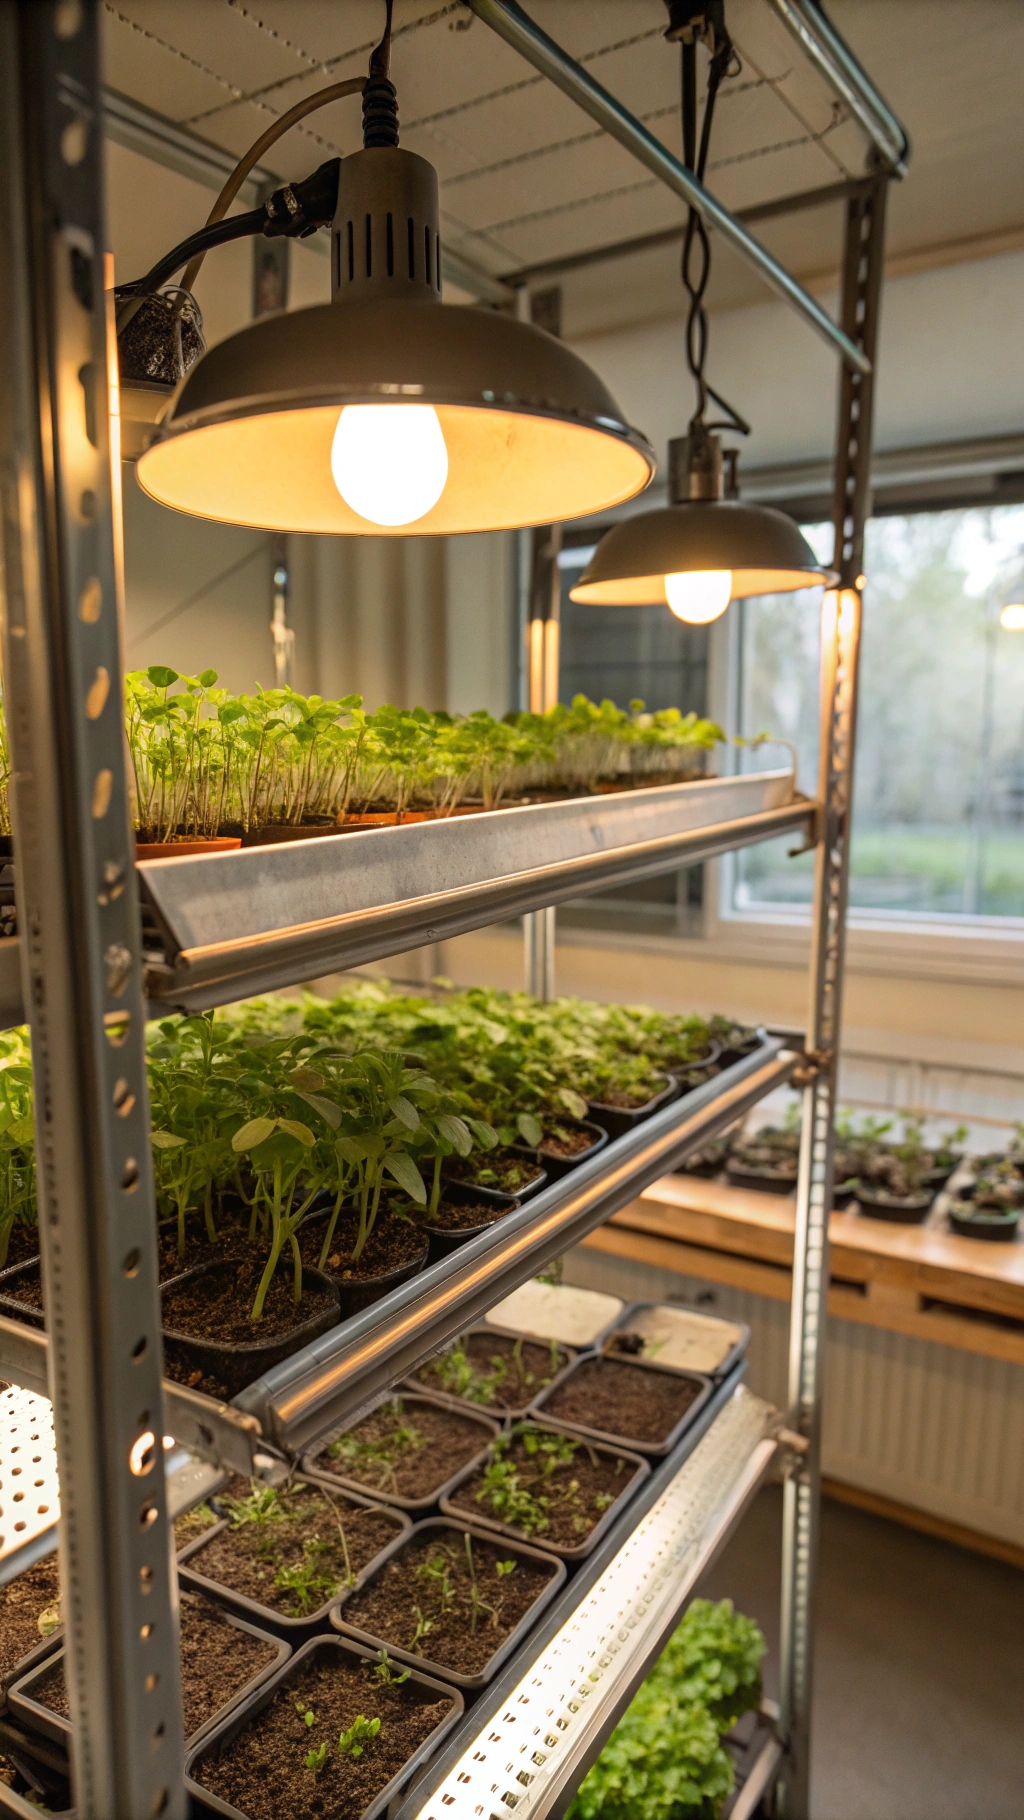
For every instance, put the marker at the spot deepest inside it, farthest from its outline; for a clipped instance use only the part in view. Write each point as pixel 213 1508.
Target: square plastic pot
pixel 617 1120
pixel 438 1525
pixel 238 1363
pixel 444 1240
pixel 416 1506
pixel 580 1318
pixel 41 1718
pixel 735 1349
pixel 558 1167
pixel 292 1630
pixel 497 1411
pixel 577 1551
pixel 653 1449
pixel 229 1728
pixel 498 1196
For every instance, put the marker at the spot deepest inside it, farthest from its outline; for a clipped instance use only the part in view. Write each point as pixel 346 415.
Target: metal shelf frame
pixel 248 922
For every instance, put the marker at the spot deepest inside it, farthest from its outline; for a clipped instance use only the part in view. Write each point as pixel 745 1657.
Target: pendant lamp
pixel 382 412
pixel 704 549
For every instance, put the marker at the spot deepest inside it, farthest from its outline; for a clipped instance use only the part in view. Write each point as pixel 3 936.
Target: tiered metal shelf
pixel 101 940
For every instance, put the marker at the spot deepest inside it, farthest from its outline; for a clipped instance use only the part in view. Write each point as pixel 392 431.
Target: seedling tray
pixel 498 1411
pixel 229 1728
pixel 698 1321
pixel 238 1363
pixel 565 1551
pixel 558 1167
pixel 9 1304
pixel 446 1525
pixel 41 1718
pixel 617 1120
pixel 322 1475
pixel 654 1449
pixel 443 1240
pixel 293 1630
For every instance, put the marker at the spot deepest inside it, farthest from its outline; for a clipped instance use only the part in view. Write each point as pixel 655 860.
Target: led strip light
pixel 525 1754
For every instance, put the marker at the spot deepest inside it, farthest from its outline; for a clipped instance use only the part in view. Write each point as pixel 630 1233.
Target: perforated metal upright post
pixel 79 921
pixel 840 653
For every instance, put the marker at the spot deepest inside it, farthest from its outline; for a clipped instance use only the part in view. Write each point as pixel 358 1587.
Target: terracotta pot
pixel 184 849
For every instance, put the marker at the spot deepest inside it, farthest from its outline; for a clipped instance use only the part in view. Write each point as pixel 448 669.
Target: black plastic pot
pixel 41 1718
pixel 357 1293
pixel 984 1222
pixel 321 1475
pixel 292 1630
pixel 567 1357
pixel 28 1271
pixel 558 1167
pixel 734 1351
pixel 740 1046
pixel 654 1449
pixel 909 1211
pixel 238 1363
pixel 766 1180
pixel 522 1550
pixel 580 1550
pixel 938 1177
pixel 228 1728
pixel 617 1120
pixel 706 1064
pixel 500 1195
pixel 444 1240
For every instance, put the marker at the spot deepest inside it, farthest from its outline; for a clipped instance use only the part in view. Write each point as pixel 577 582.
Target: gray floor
pixel 919 1697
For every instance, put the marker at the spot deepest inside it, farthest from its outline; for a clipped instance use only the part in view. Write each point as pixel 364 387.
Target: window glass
pixel 939 785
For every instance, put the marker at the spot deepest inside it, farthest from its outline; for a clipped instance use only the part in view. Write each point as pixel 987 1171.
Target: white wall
pixel 950 364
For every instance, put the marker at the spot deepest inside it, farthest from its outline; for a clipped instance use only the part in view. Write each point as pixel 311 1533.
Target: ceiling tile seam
pixel 787 102
pixel 143 31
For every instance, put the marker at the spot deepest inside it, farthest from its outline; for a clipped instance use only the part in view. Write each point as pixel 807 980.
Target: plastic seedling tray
pixel 565 1551
pixel 499 1411
pixel 558 1311
pixel 666 1328
pixel 654 1449
pixel 33 1712
pixel 498 1197
pixel 293 1630
pixel 229 1728
pixel 617 1120
pixel 447 1525
pixel 26 1272
pixel 322 1475
pixel 239 1363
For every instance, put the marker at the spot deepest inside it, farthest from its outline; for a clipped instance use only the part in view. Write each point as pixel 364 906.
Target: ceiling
pixel 526 177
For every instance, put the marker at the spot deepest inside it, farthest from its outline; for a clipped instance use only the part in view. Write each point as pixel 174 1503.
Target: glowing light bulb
pixel 389 461
pixel 699 595
pixel 1012 618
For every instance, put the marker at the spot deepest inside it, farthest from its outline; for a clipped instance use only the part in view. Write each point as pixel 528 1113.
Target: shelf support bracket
pixel 840 654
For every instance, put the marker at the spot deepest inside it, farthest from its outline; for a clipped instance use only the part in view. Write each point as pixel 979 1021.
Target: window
pixel 939 784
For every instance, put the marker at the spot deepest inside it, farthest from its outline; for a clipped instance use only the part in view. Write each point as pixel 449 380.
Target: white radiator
pixel 921 1424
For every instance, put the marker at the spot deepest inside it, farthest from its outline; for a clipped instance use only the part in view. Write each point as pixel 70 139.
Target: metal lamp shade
pixel 532 434
pixel 763 548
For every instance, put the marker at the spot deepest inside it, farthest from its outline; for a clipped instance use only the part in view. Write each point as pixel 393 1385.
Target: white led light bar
pixel 29 1492
pixel 538 1742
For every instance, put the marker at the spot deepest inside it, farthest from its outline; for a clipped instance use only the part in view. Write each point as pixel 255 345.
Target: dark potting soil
pixel 557 1490
pixel 454 1217
pixel 27 1288
pixel 427 1587
pixel 263 1771
pixel 217 1306
pixel 408 1451
pixel 284 1548
pixel 183 1370
pixel 500 1169
pixel 232 1241
pixel 564 1140
pixel 216 1660
pixel 193 1524
pixel 493 1371
pixel 22 1244
pixel 622 1399
pixel 392 1243
pixel 626 1101
pixel 22 1601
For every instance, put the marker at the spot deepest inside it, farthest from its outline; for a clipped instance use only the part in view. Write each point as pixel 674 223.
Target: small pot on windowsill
pixel 898 1209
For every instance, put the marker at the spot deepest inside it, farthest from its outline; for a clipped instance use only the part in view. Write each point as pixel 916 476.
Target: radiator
pixel 922 1424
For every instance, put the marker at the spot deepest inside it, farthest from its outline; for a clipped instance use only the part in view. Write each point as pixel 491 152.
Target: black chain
pixel 695 263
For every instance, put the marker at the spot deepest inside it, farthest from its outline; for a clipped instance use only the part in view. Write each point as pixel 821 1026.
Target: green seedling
pixel 309 1587
pixel 384 1671
pixel 306 1713
pixel 477 1604
pixel 382 1456
pixel 502 1568
pixel 316 1760
pixel 353 1742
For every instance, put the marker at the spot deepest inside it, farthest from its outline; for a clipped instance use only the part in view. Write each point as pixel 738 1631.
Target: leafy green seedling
pixel 316 1760
pixel 384 1671
pixel 353 1742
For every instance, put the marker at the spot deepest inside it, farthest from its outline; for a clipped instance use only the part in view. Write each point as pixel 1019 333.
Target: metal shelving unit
pixel 90 956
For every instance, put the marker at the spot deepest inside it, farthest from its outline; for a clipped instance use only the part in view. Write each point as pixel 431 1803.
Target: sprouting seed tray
pixel 564 1551
pixel 489 1427
pixel 229 1727
pixel 497 1412
pixel 293 1630
pixel 632 1321
pixel 422 1664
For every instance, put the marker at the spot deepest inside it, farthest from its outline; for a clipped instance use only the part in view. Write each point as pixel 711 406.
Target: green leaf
pixel 162 1140
pixel 573 1102
pixel 296 1129
pixel 161 677
pixel 207 679
pixel 530 1129
pixel 400 1164
pixel 329 1112
pixel 23 1130
pixel 485 1135
pixel 455 1131
pixel 255 1132
pixel 404 1110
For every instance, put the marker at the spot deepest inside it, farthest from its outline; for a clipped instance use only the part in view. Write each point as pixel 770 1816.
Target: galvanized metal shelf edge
pixel 303 1399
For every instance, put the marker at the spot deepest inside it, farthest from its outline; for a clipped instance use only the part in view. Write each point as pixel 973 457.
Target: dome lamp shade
pixel 700 551
pixel 383 413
